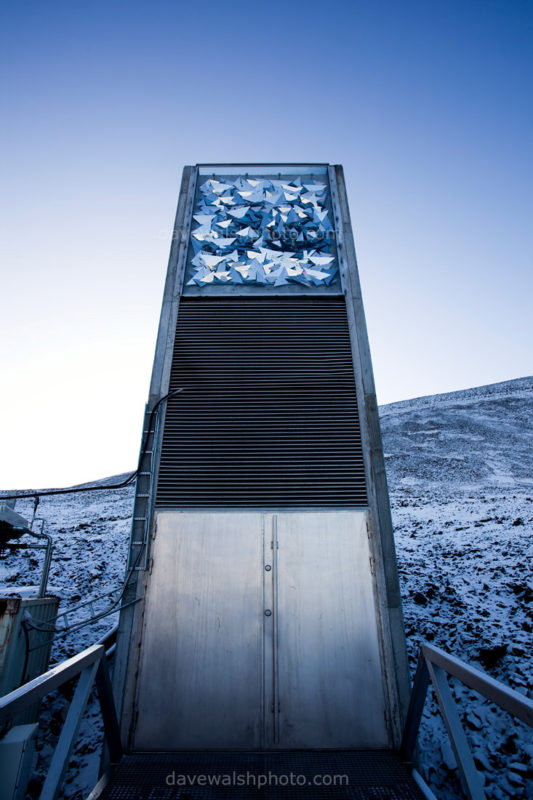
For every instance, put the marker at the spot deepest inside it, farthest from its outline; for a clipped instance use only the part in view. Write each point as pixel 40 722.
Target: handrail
pixel 91 666
pixel 109 640
pixel 434 666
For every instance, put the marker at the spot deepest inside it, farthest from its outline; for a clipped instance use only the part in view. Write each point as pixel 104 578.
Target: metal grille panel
pixel 269 412
pixel 353 775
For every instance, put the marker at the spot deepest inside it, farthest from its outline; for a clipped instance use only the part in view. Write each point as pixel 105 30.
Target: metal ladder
pixel 142 510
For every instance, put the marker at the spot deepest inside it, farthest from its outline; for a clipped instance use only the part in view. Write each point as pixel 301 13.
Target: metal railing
pixel 49 625
pixel 91 667
pixel 109 640
pixel 434 666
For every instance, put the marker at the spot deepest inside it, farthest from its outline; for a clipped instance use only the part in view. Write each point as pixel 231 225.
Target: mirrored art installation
pixel 262 232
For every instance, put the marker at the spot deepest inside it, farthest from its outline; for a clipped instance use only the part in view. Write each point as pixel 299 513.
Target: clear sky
pixel 428 105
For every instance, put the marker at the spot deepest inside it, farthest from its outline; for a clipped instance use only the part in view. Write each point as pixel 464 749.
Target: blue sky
pixel 428 105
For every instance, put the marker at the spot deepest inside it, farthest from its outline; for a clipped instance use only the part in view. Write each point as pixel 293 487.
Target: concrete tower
pixel 265 608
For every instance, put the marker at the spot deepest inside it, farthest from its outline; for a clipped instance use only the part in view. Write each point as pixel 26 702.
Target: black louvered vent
pixel 269 413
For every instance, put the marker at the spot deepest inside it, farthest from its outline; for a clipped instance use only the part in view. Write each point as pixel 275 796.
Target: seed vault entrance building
pixel 265 610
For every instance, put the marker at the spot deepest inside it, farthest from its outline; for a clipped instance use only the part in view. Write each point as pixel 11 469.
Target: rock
pixel 481 761
pixel 518 521
pixel 517 766
pixel 420 599
pixel 489 656
pixel 448 755
pixel 515 779
pixel 507 787
pixel 473 721
pixel 509 746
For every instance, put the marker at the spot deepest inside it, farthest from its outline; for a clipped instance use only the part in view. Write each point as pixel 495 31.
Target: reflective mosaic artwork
pixel 262 232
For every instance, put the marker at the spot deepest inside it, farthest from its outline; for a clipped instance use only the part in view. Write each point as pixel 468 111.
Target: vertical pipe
pixel 47 558
pixel 46 566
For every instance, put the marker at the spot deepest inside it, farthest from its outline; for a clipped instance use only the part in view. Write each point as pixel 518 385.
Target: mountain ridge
pixel 489 391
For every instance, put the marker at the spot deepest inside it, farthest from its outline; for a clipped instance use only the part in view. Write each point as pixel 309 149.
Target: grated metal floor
pixel 295 775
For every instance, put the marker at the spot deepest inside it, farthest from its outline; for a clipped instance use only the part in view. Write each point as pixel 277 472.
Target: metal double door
pixel 260 631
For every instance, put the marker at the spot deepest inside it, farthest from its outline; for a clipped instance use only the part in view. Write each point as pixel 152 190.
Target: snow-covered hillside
pixel 460 471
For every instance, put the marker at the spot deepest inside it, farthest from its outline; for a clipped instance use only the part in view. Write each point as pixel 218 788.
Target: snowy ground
pixel 461 484
pixel 91 533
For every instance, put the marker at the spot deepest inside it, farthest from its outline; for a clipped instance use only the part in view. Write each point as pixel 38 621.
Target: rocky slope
pixel 460 471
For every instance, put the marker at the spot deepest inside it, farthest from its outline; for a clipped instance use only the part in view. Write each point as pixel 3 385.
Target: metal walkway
pixel 302 775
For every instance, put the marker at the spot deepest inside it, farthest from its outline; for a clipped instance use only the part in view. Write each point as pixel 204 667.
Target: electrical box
pixel 16 761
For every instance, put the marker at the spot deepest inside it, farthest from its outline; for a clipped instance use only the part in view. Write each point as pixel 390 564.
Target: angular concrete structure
pixel 265 608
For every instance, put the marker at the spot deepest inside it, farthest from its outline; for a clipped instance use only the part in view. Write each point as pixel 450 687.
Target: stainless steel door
pixel 200 681
pixel 329 671
pixel 260 630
